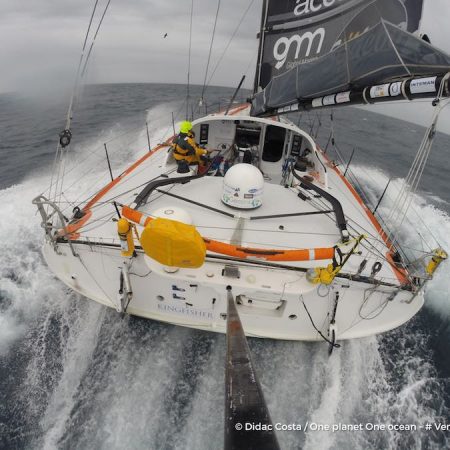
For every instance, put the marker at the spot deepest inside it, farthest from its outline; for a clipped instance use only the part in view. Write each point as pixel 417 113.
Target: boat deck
pixel 319 230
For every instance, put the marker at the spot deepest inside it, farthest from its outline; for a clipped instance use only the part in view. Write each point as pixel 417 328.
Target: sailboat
pixel 269 217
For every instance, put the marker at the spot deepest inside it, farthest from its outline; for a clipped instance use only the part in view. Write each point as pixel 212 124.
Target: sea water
pixel 74 374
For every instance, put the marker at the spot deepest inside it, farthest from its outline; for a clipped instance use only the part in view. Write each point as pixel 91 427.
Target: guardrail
pixel 51 231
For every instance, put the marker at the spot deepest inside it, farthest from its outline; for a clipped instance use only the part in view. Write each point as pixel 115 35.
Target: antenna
pixel 234 95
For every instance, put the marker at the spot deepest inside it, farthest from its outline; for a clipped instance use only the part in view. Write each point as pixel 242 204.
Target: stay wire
pixel 210 48
pixel 94 38
pixel 189 61
pixel 59 149
pixel 238 26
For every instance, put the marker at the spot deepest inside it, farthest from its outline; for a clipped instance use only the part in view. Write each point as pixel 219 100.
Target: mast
pixel 261 46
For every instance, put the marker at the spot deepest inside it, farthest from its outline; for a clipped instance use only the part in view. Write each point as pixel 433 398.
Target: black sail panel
pixel 299 31
pixel 365 52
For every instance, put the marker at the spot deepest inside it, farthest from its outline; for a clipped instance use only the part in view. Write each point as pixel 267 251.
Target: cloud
pixel 44 38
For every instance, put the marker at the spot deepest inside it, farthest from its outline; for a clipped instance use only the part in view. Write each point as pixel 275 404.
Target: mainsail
pixel 313 48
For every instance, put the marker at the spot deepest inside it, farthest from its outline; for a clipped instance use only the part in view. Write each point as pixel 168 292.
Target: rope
pixel 393 239
pixel 188 95
pixel 61 153
pixel 95 37
pixel 238 26
pixel 333 344
pixel 410 185
pixel 59 149
pixel 210 48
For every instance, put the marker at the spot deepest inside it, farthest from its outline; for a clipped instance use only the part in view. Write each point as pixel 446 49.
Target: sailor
pixel 185 148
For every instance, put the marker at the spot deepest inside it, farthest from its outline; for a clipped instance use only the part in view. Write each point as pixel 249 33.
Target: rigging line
pixel 189 60
pixel 123 193
pixel 100 182
pixel 373 250
pixel 97 223
pixel 210 48
pixel 366 232
pixel 77 77
pixel 77 200
pixel 94 152
pixel 161 191
pixel 62 169
pixel 350 199
pixel 62 166
pixel 418 216
pixel 95 281
pixel 427 139
pixel 70 109
pixel 314 326
pixel 93 40
pixel 176 117
pixel 250 64
pixel 90 24
pixel 129 177
pixel 228 44
pixel 409 189
pixel 254 230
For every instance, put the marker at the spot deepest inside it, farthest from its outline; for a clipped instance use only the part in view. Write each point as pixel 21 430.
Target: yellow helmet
pixel 185 127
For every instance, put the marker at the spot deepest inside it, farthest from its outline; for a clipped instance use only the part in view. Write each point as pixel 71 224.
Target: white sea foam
pixel 100 381
pixel 425 218
pixel 26 284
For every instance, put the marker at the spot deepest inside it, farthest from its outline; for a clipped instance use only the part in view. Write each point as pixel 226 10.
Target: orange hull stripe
pixel 400 273
pixel 130 169
pixel 73 228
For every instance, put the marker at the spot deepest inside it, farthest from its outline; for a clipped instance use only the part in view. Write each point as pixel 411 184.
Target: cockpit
pixel 272 146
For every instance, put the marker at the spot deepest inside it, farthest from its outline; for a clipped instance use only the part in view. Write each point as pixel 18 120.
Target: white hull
pixel 97 279
pixel 273 302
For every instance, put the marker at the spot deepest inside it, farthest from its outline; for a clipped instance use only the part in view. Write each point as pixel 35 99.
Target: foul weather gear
pixel 186 149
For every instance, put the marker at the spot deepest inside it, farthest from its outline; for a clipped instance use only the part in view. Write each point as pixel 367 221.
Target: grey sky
pixel 41 42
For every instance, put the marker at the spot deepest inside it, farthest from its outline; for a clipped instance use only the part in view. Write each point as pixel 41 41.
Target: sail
pixel 312 48
pixel 299 31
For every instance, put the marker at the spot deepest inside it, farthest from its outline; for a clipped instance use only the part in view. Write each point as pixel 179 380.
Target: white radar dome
pixel 243 187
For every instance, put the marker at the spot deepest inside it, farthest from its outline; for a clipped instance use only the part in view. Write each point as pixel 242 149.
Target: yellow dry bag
pixel 173 244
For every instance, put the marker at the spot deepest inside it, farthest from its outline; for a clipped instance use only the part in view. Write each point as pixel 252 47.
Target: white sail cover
pixel 312 48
